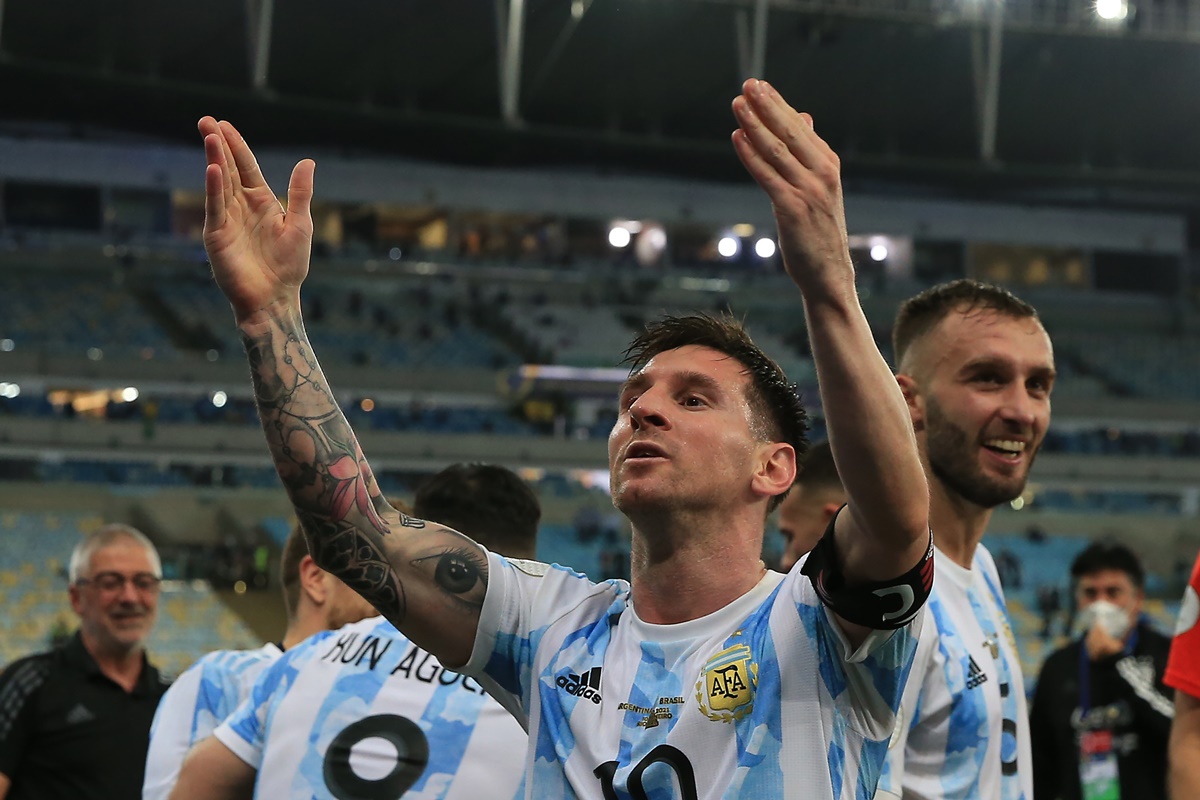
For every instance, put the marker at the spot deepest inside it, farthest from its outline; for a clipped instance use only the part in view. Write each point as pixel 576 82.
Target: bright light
pixel 367 404
pixel 764 247
pixel 219 399
pixel 656 237
pixel 10 390
pixel 1112 9
pixel 619 237
pixel 743 229
pixel 129 394
pixel 728 246
pixel 7 345
pixel 879 252
pixel 577 9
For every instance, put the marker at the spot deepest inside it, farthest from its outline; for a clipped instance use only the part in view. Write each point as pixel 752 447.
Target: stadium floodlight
pixel 619 236
pixel 729 246
pixel 764 247
pixel 10 390
pixel 219 399
pixel 129 394
pixel 1112 10
pixel 879 252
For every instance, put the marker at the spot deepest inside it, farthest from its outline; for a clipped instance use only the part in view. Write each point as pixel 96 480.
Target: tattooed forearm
pixel 347 552
pixel 393 560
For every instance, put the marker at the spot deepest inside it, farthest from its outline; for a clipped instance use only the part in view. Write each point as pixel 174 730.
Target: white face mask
pixel 1111 618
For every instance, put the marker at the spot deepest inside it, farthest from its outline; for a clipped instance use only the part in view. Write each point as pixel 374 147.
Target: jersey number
pixel 663 754
pixel 412 754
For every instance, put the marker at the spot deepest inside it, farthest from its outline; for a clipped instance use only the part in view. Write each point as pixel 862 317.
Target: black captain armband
pixel 884 605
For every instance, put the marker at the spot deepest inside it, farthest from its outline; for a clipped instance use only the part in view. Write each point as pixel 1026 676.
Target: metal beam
pixel 758 45
pixel 510 79
pixel 262 44
pixel 741 33
pixel 560 44
pixel 991 86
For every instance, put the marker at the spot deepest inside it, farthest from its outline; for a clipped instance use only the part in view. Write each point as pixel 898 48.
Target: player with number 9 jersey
pixel 762 698
pixel 362 713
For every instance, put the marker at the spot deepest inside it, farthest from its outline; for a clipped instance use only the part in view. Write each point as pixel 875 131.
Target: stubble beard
pixel 952 460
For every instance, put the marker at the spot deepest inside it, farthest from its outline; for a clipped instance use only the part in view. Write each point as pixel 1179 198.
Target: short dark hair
pixel 295 548
pixel 1100 556
pixel 922 312
pixel 816 469
pixel 487 502
pixel 773 400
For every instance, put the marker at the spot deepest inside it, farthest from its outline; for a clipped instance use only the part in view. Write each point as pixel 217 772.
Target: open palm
pixel 259 252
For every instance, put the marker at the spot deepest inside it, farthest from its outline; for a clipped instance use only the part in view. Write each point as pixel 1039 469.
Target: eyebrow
pixel 997 360
pixel 689 379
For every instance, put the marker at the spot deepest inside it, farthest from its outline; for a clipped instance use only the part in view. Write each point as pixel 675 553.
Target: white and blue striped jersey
pixel 762 698
pixel 963 732
pixel 204 695
pixel 362 712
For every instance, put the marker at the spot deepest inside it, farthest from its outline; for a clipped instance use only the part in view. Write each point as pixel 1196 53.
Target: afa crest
pixel 725 690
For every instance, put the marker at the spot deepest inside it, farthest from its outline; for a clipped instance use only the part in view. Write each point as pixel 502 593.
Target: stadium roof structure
pixel 961 95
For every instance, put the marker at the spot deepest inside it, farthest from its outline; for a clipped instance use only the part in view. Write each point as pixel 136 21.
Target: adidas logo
pixel 975 675
pixel 79 714
pixel 586 685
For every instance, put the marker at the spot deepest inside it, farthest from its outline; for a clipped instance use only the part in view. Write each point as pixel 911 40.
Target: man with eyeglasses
pixel 75 721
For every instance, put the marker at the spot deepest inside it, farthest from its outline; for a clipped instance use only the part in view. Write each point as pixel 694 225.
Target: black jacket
pixel 1128 697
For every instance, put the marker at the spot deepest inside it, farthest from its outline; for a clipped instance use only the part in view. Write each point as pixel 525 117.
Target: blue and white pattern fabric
pixel 762 698
pixel 204 695
pixel 963 732
pixel 362 712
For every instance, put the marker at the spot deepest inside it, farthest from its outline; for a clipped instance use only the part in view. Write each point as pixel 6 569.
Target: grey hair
pixel 81 557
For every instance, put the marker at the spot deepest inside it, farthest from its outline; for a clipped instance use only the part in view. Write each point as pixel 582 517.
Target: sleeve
pixel 19 685
pixel 173 733
pixel 1041 733
pixel 865 683
pixel 1183 665
pixel 244 731
pixel 523 599
pixel 891 779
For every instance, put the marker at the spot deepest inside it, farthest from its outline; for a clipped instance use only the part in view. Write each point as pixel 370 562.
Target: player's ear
pixel 913 399
pixel 312 581
pixel 776 471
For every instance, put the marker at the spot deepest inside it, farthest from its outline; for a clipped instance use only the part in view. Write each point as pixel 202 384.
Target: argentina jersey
pixel 362 712
pixel 964 730
pixel 762 698
pixel 204 695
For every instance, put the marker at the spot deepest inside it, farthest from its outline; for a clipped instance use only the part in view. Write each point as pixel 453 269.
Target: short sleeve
pixel 171 734
pixel 19 685
pixel 244 731
pixel 1183 664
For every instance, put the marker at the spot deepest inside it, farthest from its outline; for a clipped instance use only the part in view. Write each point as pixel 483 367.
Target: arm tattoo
pixel 337 499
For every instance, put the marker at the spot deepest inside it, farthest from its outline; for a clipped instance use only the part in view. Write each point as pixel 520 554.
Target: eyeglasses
pixel 115 581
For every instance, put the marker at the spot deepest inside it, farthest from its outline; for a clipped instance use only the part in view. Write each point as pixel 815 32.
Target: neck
pixel 958 524
pixel 307 621
pixel 681 571
pixel 122 665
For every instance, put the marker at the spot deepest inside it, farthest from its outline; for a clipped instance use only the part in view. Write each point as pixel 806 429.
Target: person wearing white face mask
pixel 1102 714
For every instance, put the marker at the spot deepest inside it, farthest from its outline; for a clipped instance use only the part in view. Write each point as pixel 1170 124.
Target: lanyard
pixel 1085 667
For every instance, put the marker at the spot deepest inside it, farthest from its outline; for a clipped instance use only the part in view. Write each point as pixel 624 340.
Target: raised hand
pixel 802 176
pixel 259 251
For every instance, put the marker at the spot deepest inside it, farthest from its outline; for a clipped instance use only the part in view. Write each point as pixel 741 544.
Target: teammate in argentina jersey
pixel 206 693
pixel 962 731
pixel 762 698
pixel 362 712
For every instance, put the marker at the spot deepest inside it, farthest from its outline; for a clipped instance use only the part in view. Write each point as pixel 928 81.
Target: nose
pixel 129 593
pixel 1020 408
pixel 647 411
